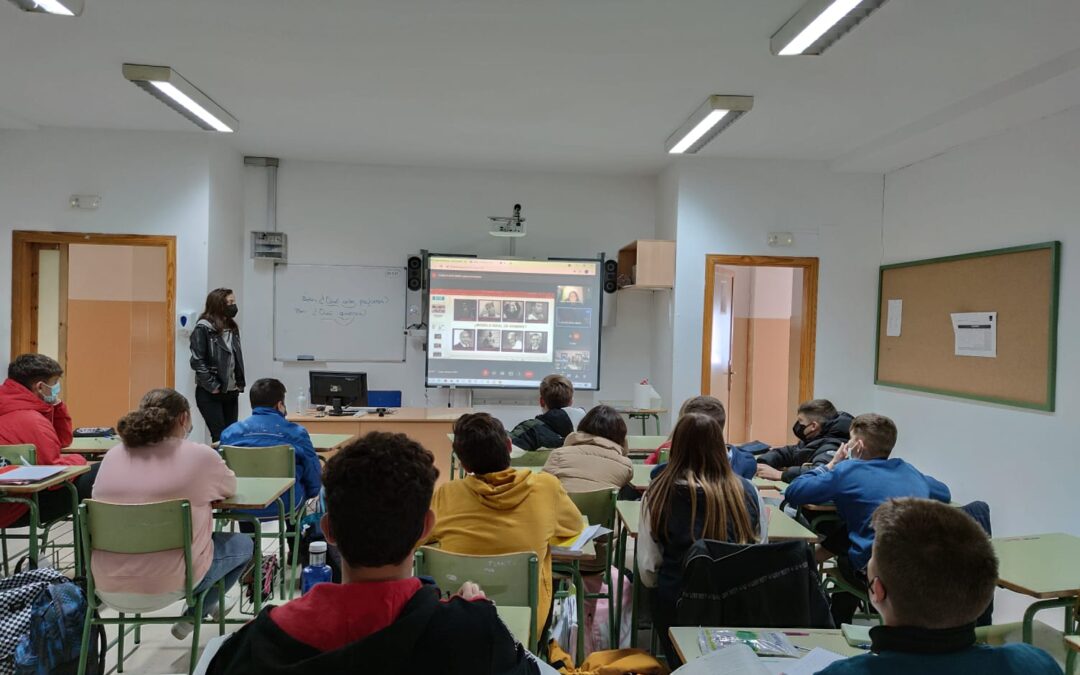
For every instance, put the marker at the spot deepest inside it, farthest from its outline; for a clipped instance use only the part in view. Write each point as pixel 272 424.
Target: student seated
pixel 593 457
pixel 499 509
pixel 742 462
pixel 860 477
pixel 267 426
pixel 697 496
pixel 154 463
pixel 31 412
pixel 821 430
pixel 551 427
pixel 932 573
pixel 382 619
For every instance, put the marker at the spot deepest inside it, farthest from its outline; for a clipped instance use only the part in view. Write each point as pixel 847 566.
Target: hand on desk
pixel 768 473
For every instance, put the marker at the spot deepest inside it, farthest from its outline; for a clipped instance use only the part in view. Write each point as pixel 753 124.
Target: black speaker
pixel 415 270
pixel 611 276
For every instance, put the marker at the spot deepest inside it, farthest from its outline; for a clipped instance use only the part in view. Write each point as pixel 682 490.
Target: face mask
pixel 799 429
pixel 231 311
pixel 54 393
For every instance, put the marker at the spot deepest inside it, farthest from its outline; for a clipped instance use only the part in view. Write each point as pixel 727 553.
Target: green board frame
pixel 1051 364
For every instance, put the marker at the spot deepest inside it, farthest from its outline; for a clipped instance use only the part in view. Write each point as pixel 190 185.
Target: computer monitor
pixel 338 389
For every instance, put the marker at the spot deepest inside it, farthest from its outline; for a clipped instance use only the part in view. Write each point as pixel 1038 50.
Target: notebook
pixel 739 659
pixel 27 475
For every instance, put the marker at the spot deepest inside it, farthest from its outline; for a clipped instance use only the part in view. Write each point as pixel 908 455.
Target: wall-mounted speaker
pixel 611 276
pixel 415 271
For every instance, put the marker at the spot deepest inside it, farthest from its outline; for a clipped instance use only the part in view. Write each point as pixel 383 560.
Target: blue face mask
pixel 54 393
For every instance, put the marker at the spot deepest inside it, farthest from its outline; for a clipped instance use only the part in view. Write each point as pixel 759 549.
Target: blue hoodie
pixel 267 427
pixel 858 487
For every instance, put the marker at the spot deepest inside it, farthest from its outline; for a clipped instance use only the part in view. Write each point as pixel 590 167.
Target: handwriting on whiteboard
pixel 343 311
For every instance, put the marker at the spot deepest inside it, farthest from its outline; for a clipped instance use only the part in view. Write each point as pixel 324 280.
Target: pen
pixel 795 634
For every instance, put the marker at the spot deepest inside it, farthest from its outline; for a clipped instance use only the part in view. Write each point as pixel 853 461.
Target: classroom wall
pixel 1016 188
pixel 368 215
pixel 663 302
pixel 729 207
pixel 149 182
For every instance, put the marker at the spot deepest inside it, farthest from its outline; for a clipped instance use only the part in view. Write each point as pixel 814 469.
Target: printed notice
pixel 895 318
pixel 975 334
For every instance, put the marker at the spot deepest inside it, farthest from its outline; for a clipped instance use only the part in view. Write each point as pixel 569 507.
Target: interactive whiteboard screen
pixel 509 323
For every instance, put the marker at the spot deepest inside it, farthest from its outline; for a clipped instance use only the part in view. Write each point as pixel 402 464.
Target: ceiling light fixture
pixel 166 85
pixel 58 7
pixel 818 24
pixel 713 116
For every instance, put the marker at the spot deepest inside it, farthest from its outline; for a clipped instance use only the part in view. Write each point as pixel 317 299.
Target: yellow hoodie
pixel 508 511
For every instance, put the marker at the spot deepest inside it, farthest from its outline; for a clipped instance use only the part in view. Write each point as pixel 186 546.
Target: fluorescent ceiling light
pixel 170 88
pixel 818 24
pixel 713 116
pixel 59 7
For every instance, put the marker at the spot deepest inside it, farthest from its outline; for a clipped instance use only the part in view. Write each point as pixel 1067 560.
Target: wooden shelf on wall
pixel 649 263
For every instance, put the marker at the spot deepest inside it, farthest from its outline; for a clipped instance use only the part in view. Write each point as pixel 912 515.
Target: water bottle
pixel 301 404
pixel 316 571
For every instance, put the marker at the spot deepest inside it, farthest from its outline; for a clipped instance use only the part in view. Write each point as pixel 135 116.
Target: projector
pixel 513 226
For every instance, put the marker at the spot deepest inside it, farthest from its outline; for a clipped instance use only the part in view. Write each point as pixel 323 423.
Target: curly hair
pixel 378 490
pixel 155 418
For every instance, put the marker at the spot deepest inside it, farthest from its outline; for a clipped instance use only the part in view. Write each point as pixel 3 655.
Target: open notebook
pixel 739 659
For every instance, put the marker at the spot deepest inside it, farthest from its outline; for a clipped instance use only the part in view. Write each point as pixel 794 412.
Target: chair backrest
pixel 386 398
pixel 534 458
pixel 137 528
pixel 275 461
pixel 511 579
pixel 598 506
pixel 15 454
pixel 764 585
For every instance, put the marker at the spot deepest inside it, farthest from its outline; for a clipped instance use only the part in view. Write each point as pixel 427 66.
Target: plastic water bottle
pixel 301 404
pixel 316 571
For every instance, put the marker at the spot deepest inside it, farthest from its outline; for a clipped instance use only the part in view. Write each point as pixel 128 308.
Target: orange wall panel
pixel 98 360
pixel 769 397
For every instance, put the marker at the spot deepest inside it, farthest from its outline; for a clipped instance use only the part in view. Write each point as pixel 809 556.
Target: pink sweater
pixel 172 469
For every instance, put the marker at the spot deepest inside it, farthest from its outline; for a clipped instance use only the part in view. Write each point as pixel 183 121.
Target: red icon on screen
pixel 485 372
pixel 529 374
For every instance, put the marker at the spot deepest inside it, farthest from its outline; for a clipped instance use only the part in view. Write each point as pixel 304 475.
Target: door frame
pixel 24 263
pixel 808 339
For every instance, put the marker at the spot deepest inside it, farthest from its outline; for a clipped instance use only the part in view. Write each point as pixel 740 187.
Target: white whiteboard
pixel 339 313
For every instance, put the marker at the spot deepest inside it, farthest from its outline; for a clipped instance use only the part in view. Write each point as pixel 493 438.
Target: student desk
pixel 782 527
pixel 685 639
pixel 28 494
pixel 253 494
pixel 642 414
pixel 643 446
pixel 427 426
pixel 324 443
pixel 1042 566
pixel 90 448
pixel 643 476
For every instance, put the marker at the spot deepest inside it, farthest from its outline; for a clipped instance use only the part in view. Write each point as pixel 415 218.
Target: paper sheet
pixel 975 334
pixel 735 659
pixel 895 318
pixel 818 659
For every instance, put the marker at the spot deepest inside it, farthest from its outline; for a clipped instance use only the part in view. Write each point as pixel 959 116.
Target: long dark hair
pixel 214 312
pixel 699 457
pixel 155 418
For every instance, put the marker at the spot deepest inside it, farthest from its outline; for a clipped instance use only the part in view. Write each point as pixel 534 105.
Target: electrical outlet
pixel 781 239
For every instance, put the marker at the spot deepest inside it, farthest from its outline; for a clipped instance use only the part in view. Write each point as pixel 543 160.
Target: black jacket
pixel 547 430
pixel 429 636
pixel 815 452
pixel 210 358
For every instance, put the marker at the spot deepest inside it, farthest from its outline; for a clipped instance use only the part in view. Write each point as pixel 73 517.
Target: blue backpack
pixel 53 643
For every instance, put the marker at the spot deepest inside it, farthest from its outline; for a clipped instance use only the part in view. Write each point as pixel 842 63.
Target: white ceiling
pixel 548 84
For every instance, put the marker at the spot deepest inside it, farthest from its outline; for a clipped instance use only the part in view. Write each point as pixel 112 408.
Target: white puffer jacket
pixel 586 463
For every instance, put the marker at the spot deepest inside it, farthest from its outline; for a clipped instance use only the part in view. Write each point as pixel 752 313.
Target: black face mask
pixel 231 311
pixel 799 429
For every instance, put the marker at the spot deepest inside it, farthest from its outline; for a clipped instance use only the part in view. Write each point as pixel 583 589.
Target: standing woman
pixel 218 361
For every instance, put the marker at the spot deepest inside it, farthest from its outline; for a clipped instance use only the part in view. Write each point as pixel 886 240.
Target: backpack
pixel 53 642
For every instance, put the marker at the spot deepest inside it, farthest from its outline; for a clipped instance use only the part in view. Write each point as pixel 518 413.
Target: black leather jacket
pixel 210 359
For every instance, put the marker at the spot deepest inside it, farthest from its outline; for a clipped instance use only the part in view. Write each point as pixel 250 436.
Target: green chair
pixel 456 469
pixel 530 459
pixel 834 583
pixel 37 536
pixel 512 579
pixel 599 507
pixel 275 461
pixel 135 529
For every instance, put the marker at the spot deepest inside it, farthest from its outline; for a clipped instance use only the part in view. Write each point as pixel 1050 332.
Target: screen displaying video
pixel 509 323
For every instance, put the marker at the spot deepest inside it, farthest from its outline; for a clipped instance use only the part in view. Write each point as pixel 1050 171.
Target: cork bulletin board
pixel 1020 284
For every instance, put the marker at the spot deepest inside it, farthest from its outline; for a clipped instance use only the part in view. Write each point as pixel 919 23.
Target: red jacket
pixel 25 418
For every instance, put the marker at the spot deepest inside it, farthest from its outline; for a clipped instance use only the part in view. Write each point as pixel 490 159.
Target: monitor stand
pixel 337 411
